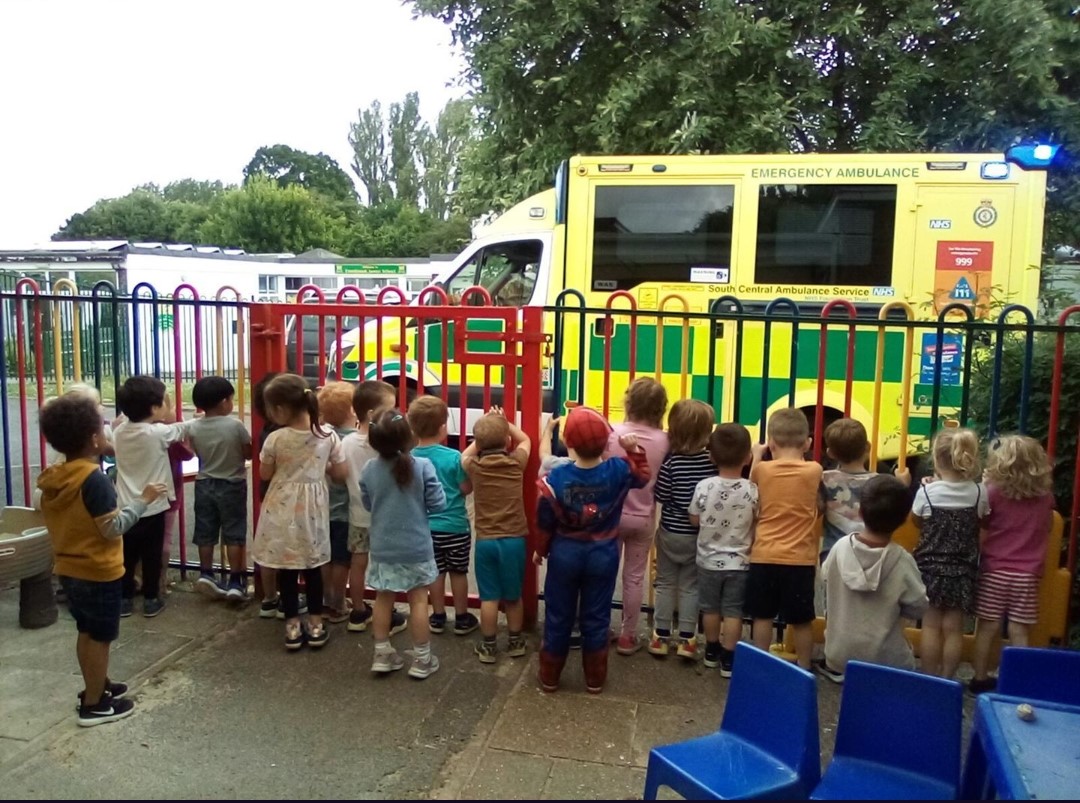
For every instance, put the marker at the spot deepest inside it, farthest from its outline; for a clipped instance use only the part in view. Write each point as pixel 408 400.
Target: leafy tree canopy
pixel 556 77
pixel 316 172
pixel 265 217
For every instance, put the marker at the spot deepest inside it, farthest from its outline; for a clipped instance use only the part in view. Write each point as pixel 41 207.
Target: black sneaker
pixel 127 607
pixel 976 686
pixel 575 640
pixel 727 662
pixel 713 651
pixel 828 672
pixel 152 607
pixel 115 690
pixel 107 709
pixel 437 623
pixel 465 624
pixel 399 623
pixel 359 620
pixel 268 609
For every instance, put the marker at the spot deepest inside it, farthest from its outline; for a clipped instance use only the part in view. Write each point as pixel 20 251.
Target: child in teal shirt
pixel 450 531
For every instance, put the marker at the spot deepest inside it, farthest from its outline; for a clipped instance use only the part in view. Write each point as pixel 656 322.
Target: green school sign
pixel 379 270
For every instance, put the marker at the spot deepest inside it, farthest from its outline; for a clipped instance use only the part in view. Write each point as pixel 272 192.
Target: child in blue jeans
pixel 578 516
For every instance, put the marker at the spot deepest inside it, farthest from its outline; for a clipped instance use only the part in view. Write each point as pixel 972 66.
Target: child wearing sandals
pixel 400 491
pixel 1018 481
pixel 949 512
pixel 293 534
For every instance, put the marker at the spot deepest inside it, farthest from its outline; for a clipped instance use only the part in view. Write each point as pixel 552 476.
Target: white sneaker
pixel 387 662
pixel 423 667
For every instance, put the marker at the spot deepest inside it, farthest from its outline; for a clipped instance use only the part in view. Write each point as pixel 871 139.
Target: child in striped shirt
pixel 689 426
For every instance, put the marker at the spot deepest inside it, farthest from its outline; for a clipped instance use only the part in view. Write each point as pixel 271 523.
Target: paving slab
pixel 508 775
pixel 583 780
pixel 567 725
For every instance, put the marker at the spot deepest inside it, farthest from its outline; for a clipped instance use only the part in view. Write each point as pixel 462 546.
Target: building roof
pixel 73 251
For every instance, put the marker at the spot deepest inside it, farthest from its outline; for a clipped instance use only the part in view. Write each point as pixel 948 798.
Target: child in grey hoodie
pixel 871 585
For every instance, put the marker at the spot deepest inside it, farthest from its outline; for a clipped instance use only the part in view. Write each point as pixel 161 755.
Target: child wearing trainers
pixel 370 398
pixel 577 520
pixel 724 507
pixel 689 427
pixel 141 443
pixel 1018 480
pixel 293 534
pixel 400 491
pixel 646 402
pixel 784 557
pixel 335 407
pixel 270 607
pixel 450 530
pixel 873 585
pixel 78 503
pixel 222 444
pixel 495 464
pixel 949 513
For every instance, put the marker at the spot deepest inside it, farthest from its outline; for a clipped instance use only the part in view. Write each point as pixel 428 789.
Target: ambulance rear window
pixel 828 234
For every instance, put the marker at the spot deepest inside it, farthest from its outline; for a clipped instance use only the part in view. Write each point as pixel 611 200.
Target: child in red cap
pixel 578 517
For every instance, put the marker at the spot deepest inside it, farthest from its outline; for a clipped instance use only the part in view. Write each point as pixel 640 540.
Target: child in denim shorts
pixel 222 444
pixel 79 506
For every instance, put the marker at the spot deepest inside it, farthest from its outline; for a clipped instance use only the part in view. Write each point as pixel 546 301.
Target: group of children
pixel 356 494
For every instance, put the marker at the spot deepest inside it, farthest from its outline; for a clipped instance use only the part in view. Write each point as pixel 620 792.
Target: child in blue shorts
pixel 495 464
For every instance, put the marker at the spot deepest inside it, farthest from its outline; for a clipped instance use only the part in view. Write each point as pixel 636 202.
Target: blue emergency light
pixel 1032 157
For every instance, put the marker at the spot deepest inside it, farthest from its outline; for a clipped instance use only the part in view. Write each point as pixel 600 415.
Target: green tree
pixel 190 190
pixel 316 172
pixel 406 131
pixel 397 229
pixel 440 156
pixel 147 214
pixel 262 217
pixel 370 161
pixel 556 77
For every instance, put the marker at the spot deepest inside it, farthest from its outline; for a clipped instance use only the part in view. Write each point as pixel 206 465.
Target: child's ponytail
pixel 391 436
pixel 958 450
pixel 311 400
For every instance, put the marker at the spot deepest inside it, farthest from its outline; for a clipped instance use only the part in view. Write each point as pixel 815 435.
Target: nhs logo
pixel 887 292
pixel 940 223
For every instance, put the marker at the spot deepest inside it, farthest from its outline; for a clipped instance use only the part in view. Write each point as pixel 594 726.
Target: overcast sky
pixel 98 96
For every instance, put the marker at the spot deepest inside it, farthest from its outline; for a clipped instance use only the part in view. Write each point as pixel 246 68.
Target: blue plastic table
pixel 1018 760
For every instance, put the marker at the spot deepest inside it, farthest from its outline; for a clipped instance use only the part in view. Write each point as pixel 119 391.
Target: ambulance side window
pixel 508 271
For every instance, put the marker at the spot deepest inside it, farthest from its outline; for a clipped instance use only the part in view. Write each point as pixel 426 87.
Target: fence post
pixel 532 341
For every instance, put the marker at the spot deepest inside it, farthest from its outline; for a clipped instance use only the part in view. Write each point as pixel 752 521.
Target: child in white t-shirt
pixel 142 445
pixel 724 508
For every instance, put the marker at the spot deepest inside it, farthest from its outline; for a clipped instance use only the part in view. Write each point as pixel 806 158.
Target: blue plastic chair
pixel 767 746
pixel 898 737
pixel 1040 674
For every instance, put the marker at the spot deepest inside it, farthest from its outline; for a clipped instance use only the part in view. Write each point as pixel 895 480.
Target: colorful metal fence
pixel 834 359
pixel 50 341
pixel 472 357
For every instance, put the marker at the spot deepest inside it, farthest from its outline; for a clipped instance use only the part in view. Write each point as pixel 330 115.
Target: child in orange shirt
pixel 785 552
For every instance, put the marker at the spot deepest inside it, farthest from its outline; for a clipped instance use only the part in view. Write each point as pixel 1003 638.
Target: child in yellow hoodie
pixel 79 505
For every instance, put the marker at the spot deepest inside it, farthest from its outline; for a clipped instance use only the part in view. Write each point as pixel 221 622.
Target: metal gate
pixel 472 356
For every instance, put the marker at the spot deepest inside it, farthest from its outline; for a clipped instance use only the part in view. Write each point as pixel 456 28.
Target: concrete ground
pixel 224 711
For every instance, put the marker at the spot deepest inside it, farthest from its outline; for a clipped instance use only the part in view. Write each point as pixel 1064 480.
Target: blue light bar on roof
pixel 1032 157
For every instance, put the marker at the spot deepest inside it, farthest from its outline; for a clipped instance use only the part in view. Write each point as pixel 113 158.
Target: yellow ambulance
pixel 674 234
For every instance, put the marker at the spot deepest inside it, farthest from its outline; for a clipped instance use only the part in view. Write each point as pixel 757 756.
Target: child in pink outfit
pixel 645 402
